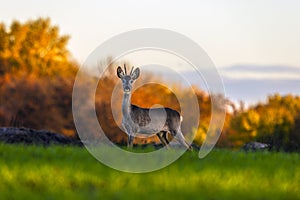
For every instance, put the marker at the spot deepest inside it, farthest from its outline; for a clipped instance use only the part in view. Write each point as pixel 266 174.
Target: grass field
pixel 30 172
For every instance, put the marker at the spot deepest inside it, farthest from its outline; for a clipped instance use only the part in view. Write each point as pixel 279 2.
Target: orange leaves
pixel 33 47
pixel 151 94
pixel 36 102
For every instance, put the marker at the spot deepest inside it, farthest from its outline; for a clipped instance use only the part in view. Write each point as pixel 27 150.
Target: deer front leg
pixel 128 131
pixel 130 141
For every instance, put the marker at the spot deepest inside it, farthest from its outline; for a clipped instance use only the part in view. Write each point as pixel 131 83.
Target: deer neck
pixel 126 104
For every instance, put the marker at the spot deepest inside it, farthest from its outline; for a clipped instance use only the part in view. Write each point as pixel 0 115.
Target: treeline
pixel 37 74
pixel 36 77
pixel 276 122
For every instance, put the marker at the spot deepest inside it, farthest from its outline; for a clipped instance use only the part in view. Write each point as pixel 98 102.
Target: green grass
pixel 30 172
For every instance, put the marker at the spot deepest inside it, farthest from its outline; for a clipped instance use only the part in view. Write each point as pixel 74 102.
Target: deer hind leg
pixel 180 138
pixel 163 139
pixel 165 136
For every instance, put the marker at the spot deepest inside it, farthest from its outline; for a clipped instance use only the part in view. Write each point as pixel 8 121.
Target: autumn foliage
pixel 37 74
pixel 275 122
pixel 36 77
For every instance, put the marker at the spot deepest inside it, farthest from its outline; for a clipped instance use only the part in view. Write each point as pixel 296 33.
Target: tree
pixel 275 123
pixel 36 77
pixel 33 47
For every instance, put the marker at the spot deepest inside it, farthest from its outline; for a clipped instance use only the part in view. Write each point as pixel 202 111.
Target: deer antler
pixel 125 69
pixel 131 70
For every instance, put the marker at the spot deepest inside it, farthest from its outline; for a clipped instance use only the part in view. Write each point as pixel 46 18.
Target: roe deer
pixel 137 120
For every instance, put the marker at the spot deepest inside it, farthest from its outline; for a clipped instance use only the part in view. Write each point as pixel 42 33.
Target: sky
pixel 234 33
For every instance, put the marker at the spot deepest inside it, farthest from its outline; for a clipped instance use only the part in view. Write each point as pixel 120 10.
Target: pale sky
pixel 258 32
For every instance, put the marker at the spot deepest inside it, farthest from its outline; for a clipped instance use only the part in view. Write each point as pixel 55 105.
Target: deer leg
pixel 162 139
pixel 179 136
pixel 130 141
pixel 165 137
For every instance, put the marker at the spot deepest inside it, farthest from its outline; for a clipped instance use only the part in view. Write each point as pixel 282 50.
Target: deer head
pixel 128 80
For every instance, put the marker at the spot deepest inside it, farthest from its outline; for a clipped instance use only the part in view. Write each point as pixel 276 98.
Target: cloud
pixel 271 72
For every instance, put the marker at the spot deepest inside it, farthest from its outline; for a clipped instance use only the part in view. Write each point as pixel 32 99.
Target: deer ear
pixel 120 72
pixel 135 74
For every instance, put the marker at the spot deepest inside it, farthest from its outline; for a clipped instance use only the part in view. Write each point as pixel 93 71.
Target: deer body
pixel 145 121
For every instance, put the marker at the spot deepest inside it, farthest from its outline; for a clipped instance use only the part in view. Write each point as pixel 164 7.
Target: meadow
pixel 65 172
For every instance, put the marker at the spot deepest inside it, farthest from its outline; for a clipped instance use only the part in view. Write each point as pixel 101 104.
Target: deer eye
pixel 131 81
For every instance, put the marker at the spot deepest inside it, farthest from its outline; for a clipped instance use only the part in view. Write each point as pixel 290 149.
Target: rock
pixel 254 146
pixel 13 135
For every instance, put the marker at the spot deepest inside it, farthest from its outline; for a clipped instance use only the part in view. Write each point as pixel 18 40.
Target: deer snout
pixel 127 89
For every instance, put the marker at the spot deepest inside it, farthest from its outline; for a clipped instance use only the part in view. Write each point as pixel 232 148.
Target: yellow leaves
pixel 272 122
pixel 200 135
pixel 34 47
pixel 250 122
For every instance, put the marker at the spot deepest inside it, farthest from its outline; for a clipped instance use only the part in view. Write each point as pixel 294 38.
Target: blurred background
pixel 255 46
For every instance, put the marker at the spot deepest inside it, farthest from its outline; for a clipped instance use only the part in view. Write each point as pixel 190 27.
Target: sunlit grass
pixel 71 172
